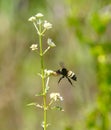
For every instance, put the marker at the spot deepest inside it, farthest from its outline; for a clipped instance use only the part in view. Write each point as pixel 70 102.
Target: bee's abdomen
pixel 72 75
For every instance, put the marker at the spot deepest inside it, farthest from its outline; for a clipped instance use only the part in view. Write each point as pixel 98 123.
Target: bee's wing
pixel 62 64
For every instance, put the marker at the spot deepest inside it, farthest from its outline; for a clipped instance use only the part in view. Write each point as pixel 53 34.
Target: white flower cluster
pixel 34 47
pixel 37 17
pixel 48 72
pixel 56 97
pixel 41 27
pixel 33 18
pixel 47 25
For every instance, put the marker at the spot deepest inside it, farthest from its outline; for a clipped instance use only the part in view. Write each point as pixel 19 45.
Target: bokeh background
pixel 82 34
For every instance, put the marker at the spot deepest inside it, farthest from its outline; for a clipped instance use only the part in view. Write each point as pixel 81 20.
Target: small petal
pixel 50 43
pixel 47 25
pixel 34 47
pixel 32 19
pixel 39 15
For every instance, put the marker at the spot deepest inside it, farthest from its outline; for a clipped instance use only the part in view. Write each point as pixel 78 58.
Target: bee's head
pixel 58 71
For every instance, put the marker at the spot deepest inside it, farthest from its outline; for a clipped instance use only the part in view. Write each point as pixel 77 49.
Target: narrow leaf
pixel 31 104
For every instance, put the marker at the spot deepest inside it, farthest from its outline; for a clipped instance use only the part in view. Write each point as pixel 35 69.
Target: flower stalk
pixel 41 28
pixel 43 78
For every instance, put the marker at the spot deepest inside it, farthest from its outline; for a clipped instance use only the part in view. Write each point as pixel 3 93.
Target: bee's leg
pixel 69 80
pixel 60 79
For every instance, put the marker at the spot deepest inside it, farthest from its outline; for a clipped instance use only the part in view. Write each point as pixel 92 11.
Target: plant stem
pixel 43 80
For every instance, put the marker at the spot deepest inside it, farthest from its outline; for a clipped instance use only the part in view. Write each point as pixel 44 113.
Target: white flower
pixel 34 47
pixel 48 72
pixel 47 25
pixel 32 19
pixel 50 43
pixel 39 15
pixel 56 96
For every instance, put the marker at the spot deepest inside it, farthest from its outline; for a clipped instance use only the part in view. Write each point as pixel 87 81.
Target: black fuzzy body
pixel 68 74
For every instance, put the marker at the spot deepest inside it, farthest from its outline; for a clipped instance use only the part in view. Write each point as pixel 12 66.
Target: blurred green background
pixel 82 32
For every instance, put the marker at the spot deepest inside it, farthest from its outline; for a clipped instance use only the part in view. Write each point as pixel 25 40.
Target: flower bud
pixel 50 43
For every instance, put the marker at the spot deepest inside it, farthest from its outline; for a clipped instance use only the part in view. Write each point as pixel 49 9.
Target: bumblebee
pixel 66 74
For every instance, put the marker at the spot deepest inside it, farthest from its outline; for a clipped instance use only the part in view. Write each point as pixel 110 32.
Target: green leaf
pixel 39 94
pixel 31 104
pixel 57 108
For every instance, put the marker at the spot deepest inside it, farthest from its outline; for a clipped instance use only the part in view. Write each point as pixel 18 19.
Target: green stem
pixel 43 79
